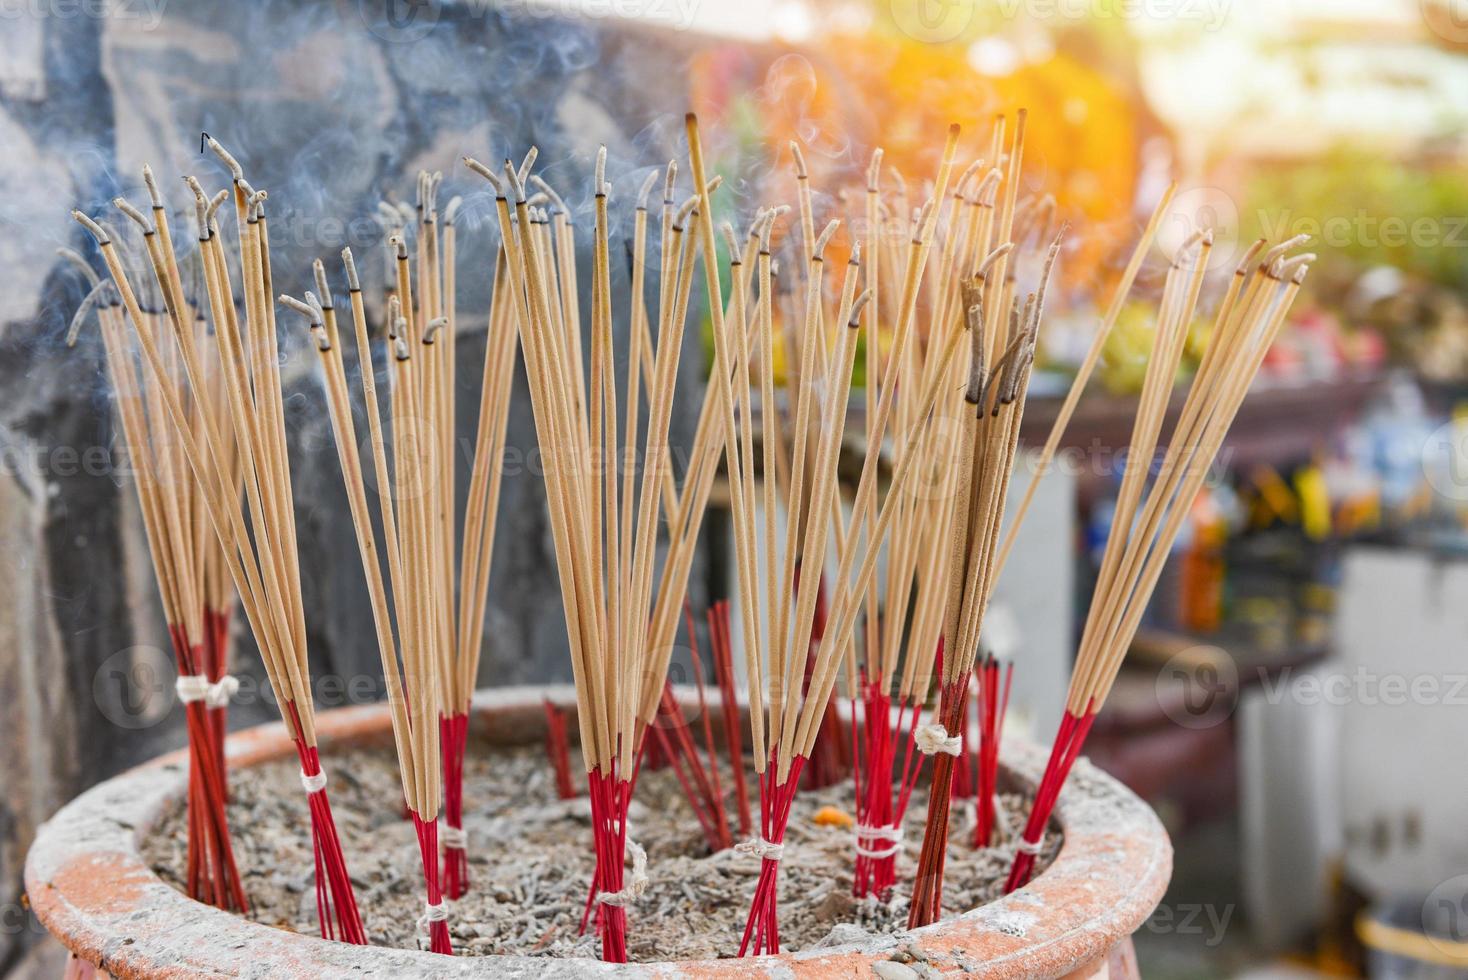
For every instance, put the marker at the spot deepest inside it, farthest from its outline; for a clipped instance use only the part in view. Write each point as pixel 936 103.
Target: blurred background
pixel 1296 705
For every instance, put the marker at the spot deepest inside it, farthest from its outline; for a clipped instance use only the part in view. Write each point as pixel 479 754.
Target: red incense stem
pixel 1063 754
pixel 213 875
pixel 763 925
pixel 609 798
pixel 454 740
pixel 927 892
pixel 336 905
pixel 993 705
pixel 435 918
pixel 716 788
pixel 558 750
pixel 677 744
pixel 718 617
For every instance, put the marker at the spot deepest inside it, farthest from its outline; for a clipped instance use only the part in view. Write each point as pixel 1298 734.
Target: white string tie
pixel 453 838
pixel 196 687
pixel 634 888
pixel 1027 846
pixel 431 914
pixel 893 836
pixel 314 784
pixel 761 848
pixel 933 739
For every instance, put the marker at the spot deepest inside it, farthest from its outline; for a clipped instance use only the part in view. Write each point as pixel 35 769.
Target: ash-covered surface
pixel 530 862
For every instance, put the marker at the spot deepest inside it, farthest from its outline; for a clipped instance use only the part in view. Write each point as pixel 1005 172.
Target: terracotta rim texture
pixel 89 885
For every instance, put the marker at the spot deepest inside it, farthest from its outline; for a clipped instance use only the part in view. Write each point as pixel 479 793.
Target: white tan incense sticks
pixel 256 529
pixel 1147 518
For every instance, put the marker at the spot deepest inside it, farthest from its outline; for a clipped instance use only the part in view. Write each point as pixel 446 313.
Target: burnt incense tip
pixel 713 183
pixel 550 194
pixel 648 183
pixel 80 264
pixel 599 170
pixel 523 174
pixel 537 199
pixel 214 204
pixel 855 258
pixel 854 320
pixel 151 183
pixel 767 229
pixel 516 184
pixel 399 345
pixel 306 310
pixel 1243 267
pixel 1279 250
pixel 101 236
pixel 954 129
pixel 801 172
pixel 486 173
pixel 451 210
pixel 400 246
pixel 993 257
pixel 874 171
pixel 142 221
pixel 236 172
pixel 824 239
pixel 318 271
pixel 670 182
pixel 432 327
pixel 353 283
pixel 732 240
pixel 685 211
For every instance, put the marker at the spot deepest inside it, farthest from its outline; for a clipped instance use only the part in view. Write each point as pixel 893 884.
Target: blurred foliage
pixel 1363 210
pixel 847 94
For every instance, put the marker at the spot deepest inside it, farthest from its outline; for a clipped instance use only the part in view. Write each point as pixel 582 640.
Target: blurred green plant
pixel 1362 209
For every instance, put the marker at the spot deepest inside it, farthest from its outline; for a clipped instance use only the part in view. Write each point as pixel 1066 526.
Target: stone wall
pixel 328 109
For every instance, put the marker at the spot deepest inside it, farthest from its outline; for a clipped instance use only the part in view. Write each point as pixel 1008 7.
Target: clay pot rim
pixel 89 885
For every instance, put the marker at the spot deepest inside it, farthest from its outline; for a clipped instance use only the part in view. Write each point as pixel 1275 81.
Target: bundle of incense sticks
pixel 429 298
pixel 1003 334
pixel 604 521
pixel 907 604
pixel 992 695
pixel 783 738
pixel 186 562
pixel 919 583
pixel 1147 518
pixel 257 534
pixel 411 661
